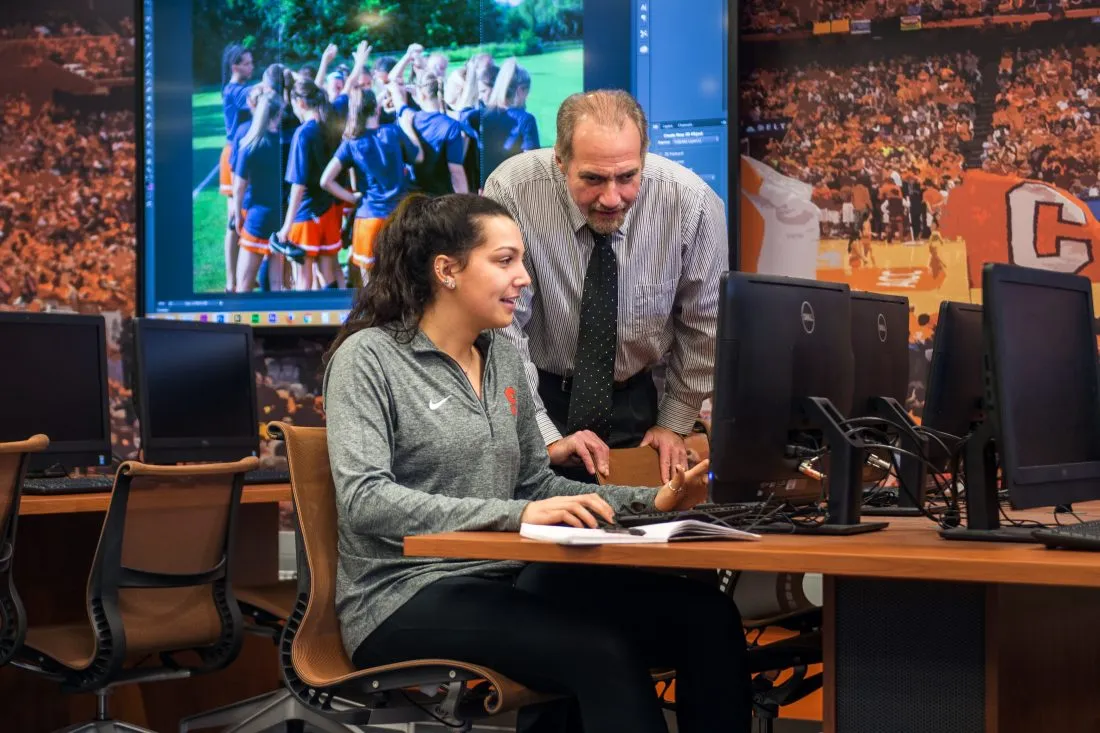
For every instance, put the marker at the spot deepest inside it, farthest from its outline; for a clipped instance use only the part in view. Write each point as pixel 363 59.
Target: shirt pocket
pixel 652 307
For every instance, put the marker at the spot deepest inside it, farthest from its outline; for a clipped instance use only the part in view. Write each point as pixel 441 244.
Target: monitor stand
pixel 845 480
pixel 911 471
pixel 983 523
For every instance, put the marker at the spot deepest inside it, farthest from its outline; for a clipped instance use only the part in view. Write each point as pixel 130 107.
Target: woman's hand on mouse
pixel 575 511
pixel 684 490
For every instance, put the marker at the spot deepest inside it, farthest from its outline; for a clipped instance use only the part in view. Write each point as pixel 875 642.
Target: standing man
pixel 625 251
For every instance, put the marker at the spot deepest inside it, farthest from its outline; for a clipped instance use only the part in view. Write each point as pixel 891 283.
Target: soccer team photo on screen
pixel 308 133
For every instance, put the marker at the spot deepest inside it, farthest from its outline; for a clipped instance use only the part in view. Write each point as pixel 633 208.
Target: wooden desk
pixel 907 550
pixel 55 542
pixel 922 635
pixel 80 503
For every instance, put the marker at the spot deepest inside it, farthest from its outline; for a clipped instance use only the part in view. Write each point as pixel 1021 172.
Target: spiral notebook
pixel 685 529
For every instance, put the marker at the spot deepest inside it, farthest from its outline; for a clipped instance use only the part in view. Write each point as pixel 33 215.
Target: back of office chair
pixel 13 467
pixel 317 651
pixel 318 662
pixel 632 467
pixel 699 444
pixel 160 579
pixel 641 466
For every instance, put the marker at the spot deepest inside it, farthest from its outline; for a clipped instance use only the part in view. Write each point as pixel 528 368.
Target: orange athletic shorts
pixel 225 174
pixel 252 243
pixel 362 241
pixel 320 236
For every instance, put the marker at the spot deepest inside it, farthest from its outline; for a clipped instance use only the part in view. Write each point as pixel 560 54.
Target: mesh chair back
pixel 317 650
pixel 13 467
pixel 160 579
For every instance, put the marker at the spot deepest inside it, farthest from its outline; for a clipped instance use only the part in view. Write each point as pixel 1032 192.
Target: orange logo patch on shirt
pixel 510 395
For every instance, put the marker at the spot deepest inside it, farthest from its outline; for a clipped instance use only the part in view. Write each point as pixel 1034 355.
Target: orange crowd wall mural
pixel 899 156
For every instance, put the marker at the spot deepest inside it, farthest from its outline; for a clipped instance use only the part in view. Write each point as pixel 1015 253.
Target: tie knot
pixel 600 240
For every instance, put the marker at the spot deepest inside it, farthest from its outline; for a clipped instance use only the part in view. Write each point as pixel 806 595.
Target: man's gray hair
pixel 607 107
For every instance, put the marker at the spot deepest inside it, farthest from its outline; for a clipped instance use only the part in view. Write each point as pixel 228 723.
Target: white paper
pixel 687 529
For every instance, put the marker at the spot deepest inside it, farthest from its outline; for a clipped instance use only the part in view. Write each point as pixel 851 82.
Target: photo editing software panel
pixel 681 79
pixel 206 65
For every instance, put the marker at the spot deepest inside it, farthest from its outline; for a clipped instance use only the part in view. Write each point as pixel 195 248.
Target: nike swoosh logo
pixel 433 405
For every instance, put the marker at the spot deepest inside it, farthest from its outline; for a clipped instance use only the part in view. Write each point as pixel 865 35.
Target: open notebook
pixel 685 529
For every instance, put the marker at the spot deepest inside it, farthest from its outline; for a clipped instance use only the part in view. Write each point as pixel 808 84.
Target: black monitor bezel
pixel 937 367
pixel 181 450
pixel 800 489
pixel 868 297
pixel 73 453
pixel 1029 486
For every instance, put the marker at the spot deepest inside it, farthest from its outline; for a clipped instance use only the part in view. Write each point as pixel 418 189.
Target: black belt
pixel 567 381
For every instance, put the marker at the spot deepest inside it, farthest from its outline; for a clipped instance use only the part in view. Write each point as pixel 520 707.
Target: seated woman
pixel 431 428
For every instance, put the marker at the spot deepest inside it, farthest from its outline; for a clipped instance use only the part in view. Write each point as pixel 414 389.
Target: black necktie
pixel 594 363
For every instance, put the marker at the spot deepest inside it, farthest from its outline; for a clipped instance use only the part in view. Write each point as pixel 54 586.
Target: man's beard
pixel 605 224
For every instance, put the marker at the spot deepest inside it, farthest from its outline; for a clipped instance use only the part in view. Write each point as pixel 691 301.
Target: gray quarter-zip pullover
pixel 414 451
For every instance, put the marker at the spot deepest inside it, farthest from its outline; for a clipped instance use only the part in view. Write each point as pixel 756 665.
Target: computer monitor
pixel 880 346
pixel 195 389
pixel 1042 398
pixel 880 349
pixel 192 107
pixel 784 344
pixel 1045 400
pixel 55 372
pixel 953 400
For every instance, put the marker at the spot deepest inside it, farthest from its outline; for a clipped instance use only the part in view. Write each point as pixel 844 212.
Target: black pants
pixel 592 633
pixel 633 412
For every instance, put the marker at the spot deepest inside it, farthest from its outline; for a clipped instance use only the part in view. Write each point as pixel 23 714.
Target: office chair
pixel 641 467
pixel 265 610
pixel 13 467
pixel 159 587
pixel 319 678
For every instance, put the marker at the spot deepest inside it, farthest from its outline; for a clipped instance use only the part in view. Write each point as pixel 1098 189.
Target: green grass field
pixel 554 76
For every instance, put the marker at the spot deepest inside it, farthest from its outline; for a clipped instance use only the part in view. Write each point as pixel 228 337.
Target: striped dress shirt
pixel 672 249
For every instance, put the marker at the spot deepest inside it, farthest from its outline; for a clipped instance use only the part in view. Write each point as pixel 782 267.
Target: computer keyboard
pixel 66 485
pixel 735 514
pixel 1081 536
pixel 267 476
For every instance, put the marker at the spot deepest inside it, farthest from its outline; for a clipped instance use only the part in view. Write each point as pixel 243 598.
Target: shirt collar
pixel 421 344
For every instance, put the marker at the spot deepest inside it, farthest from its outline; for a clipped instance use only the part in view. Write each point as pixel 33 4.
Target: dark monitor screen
pixel 780 340
pixel 880 347
pixel 197 391
pixel 55 367
pixel 953 401
pixel 1044 373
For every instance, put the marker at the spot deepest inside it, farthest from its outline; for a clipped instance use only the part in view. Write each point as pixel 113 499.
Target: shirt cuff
pixel 547 427
pixel 677 416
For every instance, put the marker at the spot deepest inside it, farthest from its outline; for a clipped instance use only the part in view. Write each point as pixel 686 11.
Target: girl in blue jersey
pixel 440 136
pixel 258 193
pixel 236 71
pixel 279 79
pixel 312 218
pixel 507 128
pixel 243 127
pixel 376 154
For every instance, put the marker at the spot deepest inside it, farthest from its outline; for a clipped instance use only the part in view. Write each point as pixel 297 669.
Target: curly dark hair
pixel 401 284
